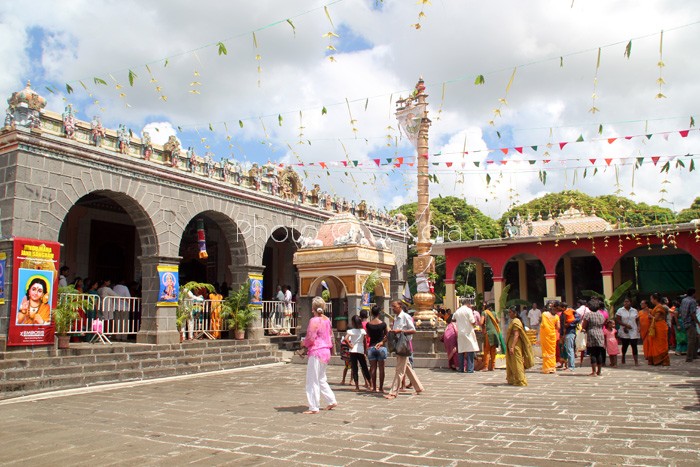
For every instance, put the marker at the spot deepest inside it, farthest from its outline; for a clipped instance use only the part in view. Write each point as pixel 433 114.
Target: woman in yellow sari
pixel 549 334
pixel 657 335
pixel 519 356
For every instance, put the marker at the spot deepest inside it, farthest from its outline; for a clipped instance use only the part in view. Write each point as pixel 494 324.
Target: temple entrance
pixel 209 264
pixel 100 239
pixel 278 260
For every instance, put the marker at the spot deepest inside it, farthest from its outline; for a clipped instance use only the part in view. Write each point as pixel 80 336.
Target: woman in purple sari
pixel 449 338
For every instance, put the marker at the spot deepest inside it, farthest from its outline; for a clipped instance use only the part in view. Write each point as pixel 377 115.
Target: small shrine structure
pixel 341 257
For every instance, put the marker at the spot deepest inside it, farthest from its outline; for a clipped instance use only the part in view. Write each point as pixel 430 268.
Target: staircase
pixel 44 369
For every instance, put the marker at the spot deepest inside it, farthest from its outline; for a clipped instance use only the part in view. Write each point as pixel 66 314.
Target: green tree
pixel 688 214
pixel 453 219
pixel 617 210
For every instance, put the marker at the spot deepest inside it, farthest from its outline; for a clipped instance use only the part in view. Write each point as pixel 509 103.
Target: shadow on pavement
pixel 292 409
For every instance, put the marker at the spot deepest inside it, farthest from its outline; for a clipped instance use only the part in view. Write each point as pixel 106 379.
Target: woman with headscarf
pixel 319 342
pixel 656 341
pixel 549 335
pixel 449 339
pixel 519 356
pixel 492 338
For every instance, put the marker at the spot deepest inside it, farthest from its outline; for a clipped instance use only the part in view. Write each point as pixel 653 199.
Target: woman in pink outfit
pixel 319 342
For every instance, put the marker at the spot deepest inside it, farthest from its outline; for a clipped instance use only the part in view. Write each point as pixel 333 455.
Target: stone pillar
pixel 568 282
pixel 354 306
pixel 240 276
pixel 617 274
pixel 497 290
pixel 479 271
pixel 158 323
pixel 304 311
pixel 450 298
pixel 6 247
pixel 607 284
pixel 522 279
pixel 551 280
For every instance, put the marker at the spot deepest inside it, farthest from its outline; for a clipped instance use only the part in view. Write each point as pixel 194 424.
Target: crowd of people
pixel 563 333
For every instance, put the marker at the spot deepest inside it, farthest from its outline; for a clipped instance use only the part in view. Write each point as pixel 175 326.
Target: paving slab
pixel 253 416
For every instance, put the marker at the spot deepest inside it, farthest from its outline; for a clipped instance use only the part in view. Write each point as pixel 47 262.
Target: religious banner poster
pixel 169 285
pixel 256 288
pixel 35 267
pixel 366 300
pixel 3 263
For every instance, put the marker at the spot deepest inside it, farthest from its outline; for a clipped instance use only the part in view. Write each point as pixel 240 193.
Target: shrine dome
pixel 571 221
pixel 27 98
pixel 345 229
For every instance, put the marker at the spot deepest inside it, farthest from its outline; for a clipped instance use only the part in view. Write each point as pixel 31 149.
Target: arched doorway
pixel 525 273
pixel 654 268
pixel 224 247
pixel 101 239
pixel 578 270
pixel 278 261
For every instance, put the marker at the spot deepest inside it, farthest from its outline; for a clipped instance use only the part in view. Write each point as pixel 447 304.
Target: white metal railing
pixel 205 319
pixel 279 318
pixel 111 316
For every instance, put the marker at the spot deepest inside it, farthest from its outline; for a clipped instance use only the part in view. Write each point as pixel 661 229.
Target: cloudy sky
pixel 277 95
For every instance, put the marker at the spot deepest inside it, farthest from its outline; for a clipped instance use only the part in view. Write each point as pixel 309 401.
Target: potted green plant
pixel 66 312
pixel 186 308
pixel 239 313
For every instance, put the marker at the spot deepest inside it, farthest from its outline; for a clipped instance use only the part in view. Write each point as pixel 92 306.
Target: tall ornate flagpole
pixel 412 115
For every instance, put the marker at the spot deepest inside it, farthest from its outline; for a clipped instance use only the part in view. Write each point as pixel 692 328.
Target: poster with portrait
pixel 3 263
pixel 256 288
pixel 366 300
pixel 168 290
pixel 34 292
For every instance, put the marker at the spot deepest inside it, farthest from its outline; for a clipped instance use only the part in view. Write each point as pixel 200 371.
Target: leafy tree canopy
pixel 614 209
pixel 693 212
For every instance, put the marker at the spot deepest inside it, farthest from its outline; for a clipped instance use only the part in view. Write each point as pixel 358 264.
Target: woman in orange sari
pixel 549 334
pixel 644 317
pixel 656 350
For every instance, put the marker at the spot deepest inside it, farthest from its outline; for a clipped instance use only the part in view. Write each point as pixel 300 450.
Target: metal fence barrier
pixel 205 319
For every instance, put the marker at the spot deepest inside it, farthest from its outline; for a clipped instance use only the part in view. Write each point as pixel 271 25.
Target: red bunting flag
pixel 592 161
pixel 424 155
pixel 608 161
pixel 345 163
pixel 504 150
pixel 504 162
pixel 684 133
pixel 377 161
pixel 655 159
pixel 611 140
pixel 520 149
pixel 448 164
pixel 323 165
pixel 410 164
pixel 561 145
pixel 546 161
pixel 629 137
pixel 489 162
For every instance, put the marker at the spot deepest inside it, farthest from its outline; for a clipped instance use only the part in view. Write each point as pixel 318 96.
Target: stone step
pixel 90 375
pixel 139 360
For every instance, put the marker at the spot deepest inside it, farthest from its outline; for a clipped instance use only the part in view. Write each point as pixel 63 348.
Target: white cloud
pixel 159 132
pixel 547 103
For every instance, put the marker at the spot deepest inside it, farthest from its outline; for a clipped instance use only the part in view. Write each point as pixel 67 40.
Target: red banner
pixel 34 293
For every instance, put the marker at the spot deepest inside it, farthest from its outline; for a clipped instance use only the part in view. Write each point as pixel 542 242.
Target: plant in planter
pixel 186 309
pixel 66 312
pixel 239 313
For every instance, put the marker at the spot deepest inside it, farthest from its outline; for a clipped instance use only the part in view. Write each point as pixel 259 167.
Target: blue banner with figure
pixel 169 280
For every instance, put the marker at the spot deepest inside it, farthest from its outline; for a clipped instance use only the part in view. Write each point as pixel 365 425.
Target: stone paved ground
pixel 636 416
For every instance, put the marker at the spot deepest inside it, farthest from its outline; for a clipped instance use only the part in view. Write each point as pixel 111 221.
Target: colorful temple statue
pixel 69 122
pixel 147 146
pixel 171 151
pixel 123 139
pixel 97 131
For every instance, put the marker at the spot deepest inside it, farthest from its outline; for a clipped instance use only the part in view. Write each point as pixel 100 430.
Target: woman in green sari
pixel 519 356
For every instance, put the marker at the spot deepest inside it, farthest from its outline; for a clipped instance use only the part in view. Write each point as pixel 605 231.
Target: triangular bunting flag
pixel 377 161
pixel 424 155
pixel 520 149
pixel 629 137
pixel 388 161
pixel 476 164
pixel 608 161
pixel 355 163
pixel 534 148
pixel 546 161
pixel 410 164
pixel 579 139
pixel 504 150
pixel 532 162
pixel 592 161
pixel 435 163
pixel 649 136
pixel 655 159
pixel 665 135
pixel 489 162
pixel 323 164
pixel 345 163
pixel 611 140
pixel 684 133
pixel 504 162
pixel 561 145
pixel 640 160
pixel 448 164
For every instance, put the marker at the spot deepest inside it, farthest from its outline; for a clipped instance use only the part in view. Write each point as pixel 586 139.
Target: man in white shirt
pixel 534 318
pixel 524 318
pixel 288 311
pixel 466 337
pixel 63 278
pixel 582 309
pixel 627 318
